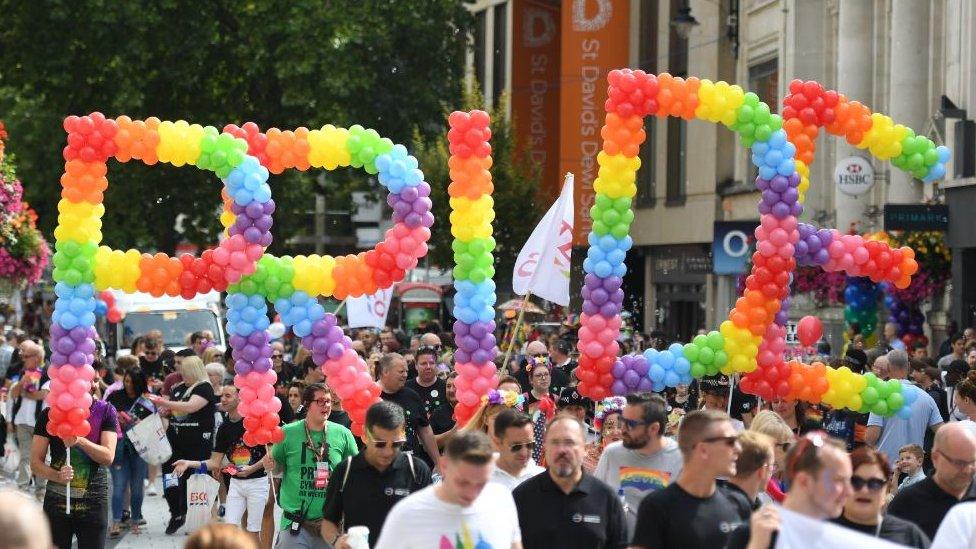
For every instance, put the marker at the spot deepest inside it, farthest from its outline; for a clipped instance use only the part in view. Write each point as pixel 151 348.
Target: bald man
pixel 23 524
pixel 926 502
pixel 430 340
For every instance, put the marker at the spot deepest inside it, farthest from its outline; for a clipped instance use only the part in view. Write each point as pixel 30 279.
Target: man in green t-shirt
pixel 310 451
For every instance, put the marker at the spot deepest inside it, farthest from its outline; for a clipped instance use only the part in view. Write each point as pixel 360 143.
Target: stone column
pixel 909 84
pixel 855 61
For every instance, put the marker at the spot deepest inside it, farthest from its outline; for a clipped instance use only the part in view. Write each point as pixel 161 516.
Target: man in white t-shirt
pixel 958 528
pixel 515 441
pixel 465 510
pixel 644 461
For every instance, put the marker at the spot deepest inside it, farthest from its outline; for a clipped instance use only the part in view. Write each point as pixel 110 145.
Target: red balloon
pixel 809 330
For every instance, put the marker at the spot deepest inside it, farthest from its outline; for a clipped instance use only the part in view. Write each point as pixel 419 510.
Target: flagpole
pixel 339 308
pixel 518 322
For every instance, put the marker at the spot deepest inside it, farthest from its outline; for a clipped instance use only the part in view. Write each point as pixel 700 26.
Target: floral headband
pixel 502 397
pixel 607 406
pixel 533 362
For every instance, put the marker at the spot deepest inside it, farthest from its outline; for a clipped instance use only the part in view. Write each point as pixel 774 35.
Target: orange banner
pixel 535 88
pixel 595 40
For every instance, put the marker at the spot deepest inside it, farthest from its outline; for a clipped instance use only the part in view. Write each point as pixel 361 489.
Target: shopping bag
pixel 11 458
pixel 148 437
pixel 201 496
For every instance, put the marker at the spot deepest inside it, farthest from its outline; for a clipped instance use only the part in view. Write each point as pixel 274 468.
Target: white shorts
pixel 250 494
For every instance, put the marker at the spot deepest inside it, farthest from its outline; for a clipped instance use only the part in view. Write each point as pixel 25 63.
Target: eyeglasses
pixel 816 439
pixel 729 440
pixel 539 355
pixel 276 355
pixel 632 423
pixel 873 484
pixel 395 444
pixel 958 463
pixel 542 375
pixel 518 447
pixel 323 401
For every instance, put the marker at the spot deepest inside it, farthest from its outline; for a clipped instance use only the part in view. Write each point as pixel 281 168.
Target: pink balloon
pixel 274 406
pixel 468 398
pixel 67 373
pixel 766 248
pixel 266 392
pixel 481 385
pixel 809 330
pixel 258 408
pixel 78 387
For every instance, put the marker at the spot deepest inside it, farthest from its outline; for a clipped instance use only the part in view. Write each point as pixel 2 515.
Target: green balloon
pixel 880 407
pixel 698 370
pixel 869 395
pixel 706 355
pixel 721 359
pixel 620 230
pixel 691 352
pixel 701 340
pixel 895 402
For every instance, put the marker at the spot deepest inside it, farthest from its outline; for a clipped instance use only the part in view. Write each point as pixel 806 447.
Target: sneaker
pixel 174 524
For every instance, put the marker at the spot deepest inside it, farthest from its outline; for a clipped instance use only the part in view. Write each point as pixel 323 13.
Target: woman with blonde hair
pixel 190 431
pixel 770 424
pixel 212 354
pixel 492 404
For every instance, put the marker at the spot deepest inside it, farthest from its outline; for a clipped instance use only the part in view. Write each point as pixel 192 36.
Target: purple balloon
pixel 640 366
pixel 481 356
pixel 645 385
pixel 631 379
pixel 618 369
pixel 780 209
pixel 610 310
pixel 599 297
pixel 619 388
pixel 335 351
pixel 779 183
pixel 762 184
pixel 461 357
pixel 589 308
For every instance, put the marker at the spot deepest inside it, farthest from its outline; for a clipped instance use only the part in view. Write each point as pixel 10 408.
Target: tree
pixel 393 65
pixel 516 196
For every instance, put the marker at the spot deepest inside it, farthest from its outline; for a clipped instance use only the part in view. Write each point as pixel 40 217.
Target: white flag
pixel 542 267
pixel 369 311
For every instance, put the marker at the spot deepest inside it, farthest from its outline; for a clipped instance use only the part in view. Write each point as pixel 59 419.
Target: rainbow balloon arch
pixel 751 342
pixel 242 157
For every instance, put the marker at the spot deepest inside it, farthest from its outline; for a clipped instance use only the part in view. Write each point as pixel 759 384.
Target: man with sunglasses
pixel 928 501
pixel 309 453
pixel 514 442
pixel 366 487
pixel 152 362
pixel 819 472
pixel 692 512
pixel 644 460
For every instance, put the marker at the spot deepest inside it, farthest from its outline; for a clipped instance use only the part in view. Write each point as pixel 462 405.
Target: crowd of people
pixel 537 465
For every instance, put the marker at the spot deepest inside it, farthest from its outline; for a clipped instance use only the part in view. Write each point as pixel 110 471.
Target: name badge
pixel 321 474
pixel 591 519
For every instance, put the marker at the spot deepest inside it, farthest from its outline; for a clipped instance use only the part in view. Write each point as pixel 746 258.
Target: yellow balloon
pixel 313 274
pixel 179 142
pixel 327 148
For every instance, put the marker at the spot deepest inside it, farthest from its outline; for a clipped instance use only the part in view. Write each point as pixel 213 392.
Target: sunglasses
pixel 873 484
pixel 519 447
pixel 276 355
pixel 728 440
pixel 539 355
pixel 815 439
pixel 395 444
pixel 632 423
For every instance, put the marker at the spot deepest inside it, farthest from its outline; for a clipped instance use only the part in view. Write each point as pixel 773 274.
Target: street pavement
pixel 152 535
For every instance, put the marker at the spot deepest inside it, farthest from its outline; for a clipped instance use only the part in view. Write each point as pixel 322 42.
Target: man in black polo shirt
pixel 927 501
pixel 565 507
pixel 392 373
pixel 365 487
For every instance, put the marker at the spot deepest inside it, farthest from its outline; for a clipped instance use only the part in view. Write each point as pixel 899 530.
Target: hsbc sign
pixel 854 176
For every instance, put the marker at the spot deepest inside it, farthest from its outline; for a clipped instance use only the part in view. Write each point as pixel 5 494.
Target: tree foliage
pixel 516 195
pixel 393 65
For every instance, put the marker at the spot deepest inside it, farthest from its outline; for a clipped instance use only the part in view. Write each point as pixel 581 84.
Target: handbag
pixel 148 437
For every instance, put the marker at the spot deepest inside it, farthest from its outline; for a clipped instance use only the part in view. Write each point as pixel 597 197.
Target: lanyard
pixel 322 447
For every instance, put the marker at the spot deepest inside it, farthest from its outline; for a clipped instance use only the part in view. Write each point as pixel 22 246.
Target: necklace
pixel 323 447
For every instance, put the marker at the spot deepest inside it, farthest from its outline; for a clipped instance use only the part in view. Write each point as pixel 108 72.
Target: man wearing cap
pixel 715 396
pixel 572 403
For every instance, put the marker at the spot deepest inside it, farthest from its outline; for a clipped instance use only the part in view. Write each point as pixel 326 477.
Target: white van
pixel 175 317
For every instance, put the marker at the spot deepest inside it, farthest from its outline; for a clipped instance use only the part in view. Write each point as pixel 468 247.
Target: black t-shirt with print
pixel 89 486
pixel 433 396
pixel 230 442
pixel 674 519
pixel 442 418
pixel 192 433
pixel 413 408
